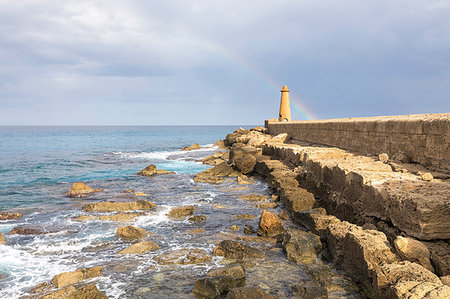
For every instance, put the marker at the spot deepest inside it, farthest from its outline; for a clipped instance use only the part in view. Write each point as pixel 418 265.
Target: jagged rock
pixel 18 230
pixel 111 206
pixel 236 250
pixel 383 157
pixel 152 170
pixel 234 227
pixel 181 212
pixel 413 251
pixel 427 176
pixel 300 246
pixel 267 205
pixel 269 225
pixel 440 256
pixel 246 163
pixel 259 129
pixel 141 247
pixel 197 218
pixel 121 217
pixel 249 293
pixel 194 146
pixel 254 197
pixel 249 230
pixel 80 189
pixel 245 216
pixel 280 138
pixel 183 257
pixel 236 271
pixel 214 175
pixel 244 180
pixel 67 278
pixel 131 233
pixel 10 215
pixel 44 286
pixel 283 215
pixel 257 141
pixel 219 281
pixel 2 239
pixel 76 292
pixel 237 152
pixel 221 144
pixel 297 199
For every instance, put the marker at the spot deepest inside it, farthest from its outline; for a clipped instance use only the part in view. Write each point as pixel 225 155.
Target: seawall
pixel 421 138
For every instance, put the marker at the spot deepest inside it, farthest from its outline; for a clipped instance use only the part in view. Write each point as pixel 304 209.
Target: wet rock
pixel 235 271
pixel 280 138
pixel 236 250
pixel 244 180
pixel 269 225
pixel 129 191
pixel 197 218
pixel 383 157
pixel 254 197
pixel 10 215
pixel 183 257
pixel 2 239
pixel 181 212
pixel 234 227
pixel 18 230
pixel 67 278
pixel 152 170
pixel 214 175
pixel 309 292
pixel 76 292
pixel 80 189
pixel 245 216
pixel 194 146
pixel 221 144
pixel 140 248
pixel 246 163
pixel 111 206
pixel 140 194
pixel 300 246
pixel 283 215
pixel 121 217
pixel 85 218
pixel 213 287
pixel 195 231
pixel 249 230
pixel 249 293
pixel 131 233
pixel 42 287
pixel 267 205
pixel 413 251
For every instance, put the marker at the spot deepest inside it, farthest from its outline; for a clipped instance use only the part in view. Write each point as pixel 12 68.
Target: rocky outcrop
pixel 219 281
pixel 152 170
pixel 215 175
pixel 249 293
pixel 280 138
pixel 236 250
pixel 221 144
pixel 67 278
pixel 245 164
pixel 197 218
pixel 440 256
pixel 131 233
pixel 75 292
pixel 194 146
pixel 413 251
pixel 254 197
pixel 269 225
pixel 300 246
pixel 21 230
pixel 111 206
pixel 80 189
pixel 183 257
pixel 121 217
pixel 10 215
pixel 178 213
pixel 140 248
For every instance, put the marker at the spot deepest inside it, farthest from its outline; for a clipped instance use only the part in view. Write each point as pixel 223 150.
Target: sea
pixel 39 164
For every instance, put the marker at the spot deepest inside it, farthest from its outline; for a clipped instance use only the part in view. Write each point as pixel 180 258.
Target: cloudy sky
pixel 108 62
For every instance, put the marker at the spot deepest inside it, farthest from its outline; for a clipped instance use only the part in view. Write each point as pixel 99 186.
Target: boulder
pixel 259 129
pixel 413 251
pixel 181 212
pixel 85 217
pixel 10 215
pixel 300 246
pixel 383 158
pixel 246 163
pixel 76 292
pixel 280 138
pixel 131 233
pixel 267 205
pixel 213 287
pixel 20 230
pixel 249 293
pixel 427 176
pixel 254 197
pixel 81 190
pixel 183 257
pixel 121 217
pixel 258 141
pixel 283 215
pixel 152 170
pixel 297 199
pixel 194 146
pixel 140 248
pixel 111 206
pixel 236 250
pixel 269 225
pixel 214 175
pixel 234 227
pixel 236 271
pixel 67 278
pixel 2 239
pixel 237 152
pixel 308 291
pixel 221 144
pixel 245 216
pixel 440 256
pixel 244 180
pixel 197 218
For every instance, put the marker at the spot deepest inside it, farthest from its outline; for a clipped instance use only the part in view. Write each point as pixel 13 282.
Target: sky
pixel 109 62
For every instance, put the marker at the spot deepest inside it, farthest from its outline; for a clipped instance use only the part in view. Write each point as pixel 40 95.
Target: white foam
pixel 153 219
pixel 161 155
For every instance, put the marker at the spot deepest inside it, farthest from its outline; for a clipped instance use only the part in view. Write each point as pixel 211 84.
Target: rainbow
pixel 299 106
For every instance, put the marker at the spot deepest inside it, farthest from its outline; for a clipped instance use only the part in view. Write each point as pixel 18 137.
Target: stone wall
pixel 421 138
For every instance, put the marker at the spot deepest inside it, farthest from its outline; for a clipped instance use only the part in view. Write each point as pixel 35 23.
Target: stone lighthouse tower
pixel 285 106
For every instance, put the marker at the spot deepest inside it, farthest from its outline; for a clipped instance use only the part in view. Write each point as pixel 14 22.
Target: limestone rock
pixel 140 194
pixel 76 292
pixel 214 175
pixel 81 190
pixel 445 280
pixel 238 151
pixel 244 180
pixel 195 231
pixel 140 248
pixel 254 197
pixel 2 239
pixel 131 233
pixel 194 146
pixel 300 246
pixel 259 129
pixel 236 250
pixel 10 215
pixel 85 217
pixel 383 157
pixel 245 216
pixel 181 212
pixel 249 293
pixel 221 144
pixel 310 291
pixel 111 206
pixel 246 163
pixel 249 230
pixel 44 286
pixel 280 138
pixel 213 287
pixel 152 170
pixel 121 217
pixel 67 278
pixel 269 225
pixel 267 205
pixel 258 140
pixel 197 218
pixel 234 227
pixel 427 176
pixel 283 215
pixel 413 251
pixel 183 257
pixel 236 271
pixel 440 256
pixel 20 230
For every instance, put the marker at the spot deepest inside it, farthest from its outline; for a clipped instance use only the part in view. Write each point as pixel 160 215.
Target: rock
pixel 121 217
pixel 197 218
pixel 26 231
pixel 111 206
pixel 221 144
pixel 383 158
pixel 2 239
pixel 10 215
pixel 44 286
pixel 249 293
pixel 445 280
pixel 245 216
pixel 297 199
pixel 152 170
pixel 427 176
pixel 67 278
pixel 194 146
pixel 140 194
pixel 130 232
pixel 440 256
pixel 244 180
pixel 236 271
pixel 181 212
pixel 234 227
pixel 195 231
pixel 213 287
pixel 267 205
pixel 310 292
pixel 259 129
pixel 413 251
pixel 85 217
pixel 214 175
pixel 269 225
pixel 258 141
pixel 129 191
pixel 246 163
pixel 238 151
pixel 249 230
pixel 254 197
pixel 183 257
pixel 402 157
pixel 300 246
pixel 140 248
pixel 81 190
pixel 283 215
pixel 76 292
pixel 280 138
pixel 236 250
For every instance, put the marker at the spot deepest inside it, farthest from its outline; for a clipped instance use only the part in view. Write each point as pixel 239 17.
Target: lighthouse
pixel 285 106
